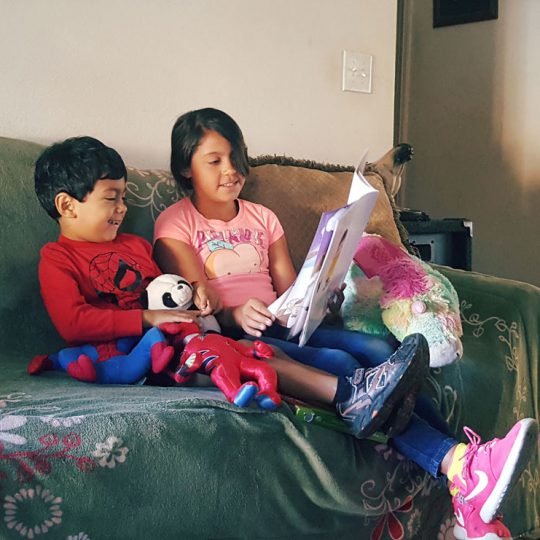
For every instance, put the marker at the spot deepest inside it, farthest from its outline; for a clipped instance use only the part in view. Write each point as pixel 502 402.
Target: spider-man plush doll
pixel 226 361
pixel 123 361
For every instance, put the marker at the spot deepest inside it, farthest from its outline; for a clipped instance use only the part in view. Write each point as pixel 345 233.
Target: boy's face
pixel 213 175
pixel 98 217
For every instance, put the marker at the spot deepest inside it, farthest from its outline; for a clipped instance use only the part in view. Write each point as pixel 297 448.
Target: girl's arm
pixel 281 267
pixel 177 257
pixel 254 317
pixel 283 274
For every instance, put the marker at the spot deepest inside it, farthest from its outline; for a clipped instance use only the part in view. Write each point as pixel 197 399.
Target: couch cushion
pixel 148 193
pixel 299 195
pixel 24 229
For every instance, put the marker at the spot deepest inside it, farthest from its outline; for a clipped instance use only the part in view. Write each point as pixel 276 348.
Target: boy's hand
pixel 206 298
pixel 155 317
pixel 253 317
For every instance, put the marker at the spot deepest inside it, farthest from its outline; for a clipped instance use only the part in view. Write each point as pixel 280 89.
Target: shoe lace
pixel 473 437
pixel 474 447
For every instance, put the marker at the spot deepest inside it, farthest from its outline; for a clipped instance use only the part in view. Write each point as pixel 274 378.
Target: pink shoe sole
pixel 461 534
pixel 518 458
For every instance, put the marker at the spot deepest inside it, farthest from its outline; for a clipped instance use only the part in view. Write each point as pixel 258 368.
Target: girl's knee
pixel 335 361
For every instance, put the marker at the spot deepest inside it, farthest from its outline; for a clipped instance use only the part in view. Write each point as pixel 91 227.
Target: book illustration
pixel 289 306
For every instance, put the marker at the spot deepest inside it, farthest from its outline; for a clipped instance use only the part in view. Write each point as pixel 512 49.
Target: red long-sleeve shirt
pixel 92 290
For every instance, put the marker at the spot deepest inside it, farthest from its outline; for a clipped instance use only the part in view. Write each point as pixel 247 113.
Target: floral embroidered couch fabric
pixel 89 462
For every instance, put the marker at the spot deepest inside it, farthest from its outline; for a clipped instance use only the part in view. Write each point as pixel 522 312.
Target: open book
pixel 303 306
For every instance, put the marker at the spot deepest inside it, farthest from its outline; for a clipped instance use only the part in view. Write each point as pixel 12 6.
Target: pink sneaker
pixel 473 528
pixel 490 470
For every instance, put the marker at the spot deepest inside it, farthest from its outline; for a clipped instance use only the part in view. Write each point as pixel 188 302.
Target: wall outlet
pixel 357 72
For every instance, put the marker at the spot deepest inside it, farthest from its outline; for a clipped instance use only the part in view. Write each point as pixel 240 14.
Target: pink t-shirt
pixel 234 254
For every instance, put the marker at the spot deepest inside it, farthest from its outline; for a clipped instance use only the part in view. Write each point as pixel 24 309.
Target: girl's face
pixel 214 178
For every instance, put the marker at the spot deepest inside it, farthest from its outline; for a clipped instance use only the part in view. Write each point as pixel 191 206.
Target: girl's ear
pixel 186 173
pixel 65 205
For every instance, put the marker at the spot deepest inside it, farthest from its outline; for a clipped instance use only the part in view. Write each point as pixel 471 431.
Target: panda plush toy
pixel 170 291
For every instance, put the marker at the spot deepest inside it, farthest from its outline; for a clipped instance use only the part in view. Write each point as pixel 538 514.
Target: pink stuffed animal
pixel 412 298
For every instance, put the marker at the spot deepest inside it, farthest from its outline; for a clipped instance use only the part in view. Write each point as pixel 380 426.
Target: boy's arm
pixel 75 319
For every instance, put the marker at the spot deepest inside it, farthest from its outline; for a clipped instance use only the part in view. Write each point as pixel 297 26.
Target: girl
pixel 237 253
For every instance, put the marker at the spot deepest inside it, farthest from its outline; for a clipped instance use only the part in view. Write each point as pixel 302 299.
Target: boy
pixel 92 278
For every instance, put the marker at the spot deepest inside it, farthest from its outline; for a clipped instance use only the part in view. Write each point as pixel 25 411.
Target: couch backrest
pixel 24 228
pixel 297 194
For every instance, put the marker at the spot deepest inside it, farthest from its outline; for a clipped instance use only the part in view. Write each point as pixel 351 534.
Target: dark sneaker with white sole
pixel 400 417
pixel 377 391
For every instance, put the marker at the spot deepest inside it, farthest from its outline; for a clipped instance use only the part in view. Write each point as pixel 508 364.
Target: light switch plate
pixel 357 72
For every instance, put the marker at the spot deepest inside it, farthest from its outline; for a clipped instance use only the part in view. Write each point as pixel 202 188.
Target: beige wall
pixel 122 70
pixel 471 109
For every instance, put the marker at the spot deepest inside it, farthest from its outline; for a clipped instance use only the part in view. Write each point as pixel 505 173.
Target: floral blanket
pixel 80 461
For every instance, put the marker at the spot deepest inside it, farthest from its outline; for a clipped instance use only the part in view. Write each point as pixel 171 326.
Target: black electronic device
pixel 442 241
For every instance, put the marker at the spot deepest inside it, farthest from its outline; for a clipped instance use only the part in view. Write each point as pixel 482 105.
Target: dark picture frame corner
pixel 452 12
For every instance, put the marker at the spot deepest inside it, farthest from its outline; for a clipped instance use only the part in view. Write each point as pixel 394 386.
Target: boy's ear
pixel 65 205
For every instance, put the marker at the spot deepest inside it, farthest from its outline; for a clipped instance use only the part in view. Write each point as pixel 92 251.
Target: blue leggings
pixel 427 438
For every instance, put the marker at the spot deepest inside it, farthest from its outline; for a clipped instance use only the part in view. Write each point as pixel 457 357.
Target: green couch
pixel 81 461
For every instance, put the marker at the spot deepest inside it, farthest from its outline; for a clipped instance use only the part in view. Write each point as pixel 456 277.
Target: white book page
pixel 350 223
pixel 304 305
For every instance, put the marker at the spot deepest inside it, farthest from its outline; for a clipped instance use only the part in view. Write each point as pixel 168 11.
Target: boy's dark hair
pixel 73 167
pixel 186 136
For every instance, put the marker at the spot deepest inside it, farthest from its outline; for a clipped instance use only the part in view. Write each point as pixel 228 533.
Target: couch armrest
pixel 497 381
pixel 499 371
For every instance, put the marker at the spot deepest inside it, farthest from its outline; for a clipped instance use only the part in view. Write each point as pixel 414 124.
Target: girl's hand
pixel 155 317
pixel 253 317
pixel 206 298
pixel 336 300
